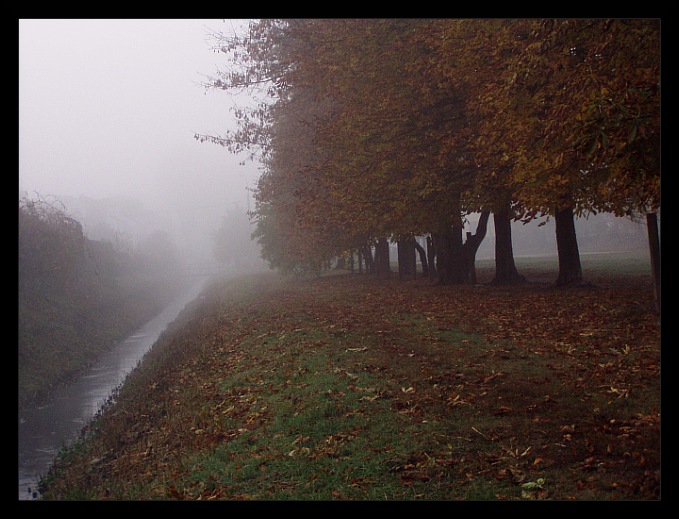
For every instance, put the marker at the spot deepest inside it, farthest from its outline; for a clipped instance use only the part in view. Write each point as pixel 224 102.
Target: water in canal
pixel 45 429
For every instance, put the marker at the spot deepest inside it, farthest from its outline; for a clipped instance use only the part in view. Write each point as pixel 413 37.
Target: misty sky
pixel 109 108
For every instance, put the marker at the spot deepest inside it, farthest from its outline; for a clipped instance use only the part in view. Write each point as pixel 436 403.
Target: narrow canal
pixel 45 429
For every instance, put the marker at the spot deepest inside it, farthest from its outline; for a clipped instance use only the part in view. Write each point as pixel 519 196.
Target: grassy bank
pixel 61 335
pixel 353 387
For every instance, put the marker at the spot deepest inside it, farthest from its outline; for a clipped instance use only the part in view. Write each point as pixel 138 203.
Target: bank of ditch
pixel 355 387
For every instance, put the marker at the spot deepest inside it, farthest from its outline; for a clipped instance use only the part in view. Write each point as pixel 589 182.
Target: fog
pixel 107 114
pixel 108 110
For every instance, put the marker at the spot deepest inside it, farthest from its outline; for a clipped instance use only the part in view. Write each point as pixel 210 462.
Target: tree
pixel 402 124
pixel 618 126
pixel 470 58
pixel 51 244
pixel 344 133
pixel 379 129
pixel 556 73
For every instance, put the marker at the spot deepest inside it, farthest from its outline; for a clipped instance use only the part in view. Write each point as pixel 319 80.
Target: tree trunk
pixel 368 257
pixel 341 263
pixel 654 247
pixel 431 254
pixel 570 270
pixel 423 259
pixel 450 261
pixel 449 248
pixel 505 268
pixel 472 245
pixel 406 258
pixel 382 265
pixel 458 265
pixel 442 241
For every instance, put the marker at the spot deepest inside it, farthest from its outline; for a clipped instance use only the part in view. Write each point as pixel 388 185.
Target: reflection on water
pixel 45 429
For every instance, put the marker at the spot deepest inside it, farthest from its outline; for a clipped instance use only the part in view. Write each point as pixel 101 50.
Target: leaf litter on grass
pixel 363 388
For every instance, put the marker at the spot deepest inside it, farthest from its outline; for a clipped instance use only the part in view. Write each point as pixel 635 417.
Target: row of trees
pixel 388 129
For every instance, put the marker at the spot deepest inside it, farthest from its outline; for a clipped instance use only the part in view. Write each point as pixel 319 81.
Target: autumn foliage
pixel 388 129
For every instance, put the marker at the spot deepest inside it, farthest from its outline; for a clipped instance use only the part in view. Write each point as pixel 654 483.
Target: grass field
pixel 354 387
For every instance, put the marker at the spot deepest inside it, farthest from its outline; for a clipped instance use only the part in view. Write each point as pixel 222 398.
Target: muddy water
pixel 45 429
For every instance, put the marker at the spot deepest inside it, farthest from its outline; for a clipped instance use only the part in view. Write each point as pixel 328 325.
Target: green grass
pixel 328 433
pixel 60 335
pixel 353 387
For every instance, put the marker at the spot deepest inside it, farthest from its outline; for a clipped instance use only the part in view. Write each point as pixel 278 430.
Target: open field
pixel 355 387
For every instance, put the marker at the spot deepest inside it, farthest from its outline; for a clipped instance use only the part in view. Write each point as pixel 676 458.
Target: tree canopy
pixel 390 128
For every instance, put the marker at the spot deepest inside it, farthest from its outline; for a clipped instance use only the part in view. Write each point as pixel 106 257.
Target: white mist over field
pixel 108 110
